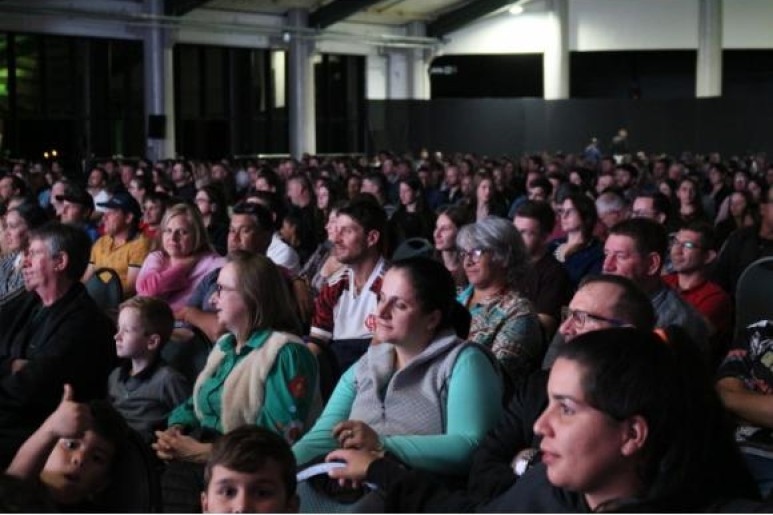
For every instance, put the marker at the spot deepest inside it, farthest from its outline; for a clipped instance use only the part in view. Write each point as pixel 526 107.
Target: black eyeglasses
pixel 580 318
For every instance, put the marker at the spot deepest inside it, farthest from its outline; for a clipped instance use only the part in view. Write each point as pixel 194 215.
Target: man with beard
pixel 341 322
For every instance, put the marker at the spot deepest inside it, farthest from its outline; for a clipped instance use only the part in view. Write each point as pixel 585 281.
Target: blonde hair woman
pixel 184 258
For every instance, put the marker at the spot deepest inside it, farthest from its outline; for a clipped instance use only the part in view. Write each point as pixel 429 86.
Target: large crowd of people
pixel 546 333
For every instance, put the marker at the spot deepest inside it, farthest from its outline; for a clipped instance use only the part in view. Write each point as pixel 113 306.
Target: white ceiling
pixel 389 12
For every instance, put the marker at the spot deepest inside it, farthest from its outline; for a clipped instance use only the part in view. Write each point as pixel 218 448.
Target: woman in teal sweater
pixel 258 373
pixel 422 394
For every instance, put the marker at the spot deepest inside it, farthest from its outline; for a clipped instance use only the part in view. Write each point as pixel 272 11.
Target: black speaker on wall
pixel 157 126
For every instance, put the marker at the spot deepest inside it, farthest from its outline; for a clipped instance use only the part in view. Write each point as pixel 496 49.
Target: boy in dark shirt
pixel 143 389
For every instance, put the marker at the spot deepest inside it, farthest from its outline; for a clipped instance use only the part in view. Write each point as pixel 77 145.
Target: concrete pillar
pixel 418 74
pixel 157 73
pixel 556 57
pixel 301 84
pixel 709 67
pixel 398 84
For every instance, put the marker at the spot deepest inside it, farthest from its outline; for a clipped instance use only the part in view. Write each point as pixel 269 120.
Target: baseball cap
pixel 77 195
pixel 125 202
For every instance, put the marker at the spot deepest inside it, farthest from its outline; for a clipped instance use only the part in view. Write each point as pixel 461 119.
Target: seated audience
pixel 693 251
pixel 250 470
pixel 303 205
pixel 413 218
pixel 745 384
pixel 745 246
pixel 153 209
pixel 143 389
pixel 250 231
pixel 579 251
pixel 611 207
pixel 421 394
pixel 322 266
pixel 601 301
pixel 185 257
pixel 50 335
pixel 18 224
pixel 548 286
pixel 278 251
pixel 636 249
pixel 450 219
pixel 258 373
pixel 631 425
pixel 503 320
pixel 340 324
pixel 77 210
pixel 72 453
pixel 690 205
pixel 487 201
pixel 123 248
pixel 214 212
pixel 743 212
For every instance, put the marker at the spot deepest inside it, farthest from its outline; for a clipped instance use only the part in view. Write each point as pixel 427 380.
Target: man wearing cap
pixel 77 206
pixel 123 247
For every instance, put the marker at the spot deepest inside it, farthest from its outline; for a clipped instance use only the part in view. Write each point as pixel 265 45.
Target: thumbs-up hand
pixel 71 419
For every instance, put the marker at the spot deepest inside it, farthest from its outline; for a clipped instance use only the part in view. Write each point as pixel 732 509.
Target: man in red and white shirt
pixel 342 321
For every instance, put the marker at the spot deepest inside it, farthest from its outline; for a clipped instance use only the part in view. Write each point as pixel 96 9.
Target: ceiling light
pixel 516 9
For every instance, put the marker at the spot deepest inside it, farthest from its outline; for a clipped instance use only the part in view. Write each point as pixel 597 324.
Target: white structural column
pixel 301 87
pixel 157 54
pixel 709 66
pixel 418 80
pixel 398 87
pixel 556 57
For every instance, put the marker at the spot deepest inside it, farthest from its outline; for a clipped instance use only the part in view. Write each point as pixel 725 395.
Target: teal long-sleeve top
pixel 288 392
pixel 473 407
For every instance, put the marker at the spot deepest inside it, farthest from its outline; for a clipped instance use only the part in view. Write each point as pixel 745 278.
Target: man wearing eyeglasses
pixel 692 253
pixel 636 249
pixel 601 302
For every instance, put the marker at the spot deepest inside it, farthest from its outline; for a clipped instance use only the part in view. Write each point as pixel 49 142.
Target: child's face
pixel 131 340
pixel 238 492
pixel 78 467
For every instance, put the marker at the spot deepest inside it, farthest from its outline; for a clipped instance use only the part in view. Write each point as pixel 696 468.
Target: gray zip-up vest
pixel 412 400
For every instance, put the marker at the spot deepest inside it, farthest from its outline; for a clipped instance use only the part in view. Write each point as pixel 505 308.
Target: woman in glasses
pixel 259 372
pixel 494 258
pixel 579 251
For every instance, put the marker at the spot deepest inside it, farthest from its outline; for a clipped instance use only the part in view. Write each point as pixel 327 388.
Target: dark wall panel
pixel 513 126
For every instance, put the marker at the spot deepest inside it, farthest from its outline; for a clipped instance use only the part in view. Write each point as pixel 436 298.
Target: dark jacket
pixel 743 247
pixel 491 472
pixel 70 341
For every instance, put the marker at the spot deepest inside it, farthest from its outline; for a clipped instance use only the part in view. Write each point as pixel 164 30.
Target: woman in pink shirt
pixel 186 256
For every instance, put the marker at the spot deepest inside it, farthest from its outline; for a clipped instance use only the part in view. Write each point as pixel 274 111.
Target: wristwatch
pixel 524 460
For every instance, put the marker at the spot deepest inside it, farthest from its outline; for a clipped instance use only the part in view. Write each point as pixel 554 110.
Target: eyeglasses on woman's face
pixel 475 255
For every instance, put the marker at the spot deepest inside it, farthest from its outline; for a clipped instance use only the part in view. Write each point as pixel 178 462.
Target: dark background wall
pixel 513 126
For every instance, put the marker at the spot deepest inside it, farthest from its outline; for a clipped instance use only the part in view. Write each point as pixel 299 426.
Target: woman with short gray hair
pixel 494 258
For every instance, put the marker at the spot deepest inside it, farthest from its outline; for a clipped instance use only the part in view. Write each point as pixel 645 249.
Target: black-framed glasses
pixel 473 254
pixel 580 318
